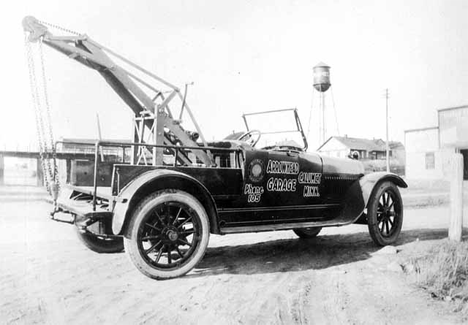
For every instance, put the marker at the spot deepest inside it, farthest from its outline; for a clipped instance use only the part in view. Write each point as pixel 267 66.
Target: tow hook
pixel 59 210
pixel 56 210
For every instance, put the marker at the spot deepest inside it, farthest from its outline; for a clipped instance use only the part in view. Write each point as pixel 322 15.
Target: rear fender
pixel 156 180
pixel 370 181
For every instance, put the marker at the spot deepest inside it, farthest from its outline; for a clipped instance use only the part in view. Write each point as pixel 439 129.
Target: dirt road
pixel 48 277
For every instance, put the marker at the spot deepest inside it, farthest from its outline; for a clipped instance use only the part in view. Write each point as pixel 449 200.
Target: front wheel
pixel 168 234
pixel 385 214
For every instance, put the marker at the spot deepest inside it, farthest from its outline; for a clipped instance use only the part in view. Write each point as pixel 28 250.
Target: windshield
pixel 278 128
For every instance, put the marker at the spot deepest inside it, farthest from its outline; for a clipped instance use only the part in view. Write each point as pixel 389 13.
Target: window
pixel 430 160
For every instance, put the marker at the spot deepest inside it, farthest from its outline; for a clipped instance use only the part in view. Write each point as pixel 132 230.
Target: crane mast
pixel 153 122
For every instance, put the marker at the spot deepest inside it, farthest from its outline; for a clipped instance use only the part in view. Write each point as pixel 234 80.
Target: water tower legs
pixel 324 128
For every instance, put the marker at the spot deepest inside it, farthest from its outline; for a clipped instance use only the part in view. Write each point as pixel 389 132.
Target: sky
pixel 247 56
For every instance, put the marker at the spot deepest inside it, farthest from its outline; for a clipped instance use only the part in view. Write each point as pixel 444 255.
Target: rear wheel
pixel 385 214
pixel 310 232
pixel 168 234
pixel 100 244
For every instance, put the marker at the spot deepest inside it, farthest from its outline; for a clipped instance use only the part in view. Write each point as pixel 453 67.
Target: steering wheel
pixel 251 137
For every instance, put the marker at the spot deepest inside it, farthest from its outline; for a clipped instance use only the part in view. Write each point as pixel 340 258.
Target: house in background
pixel 428 150
pixel 372 152
pixel 343 147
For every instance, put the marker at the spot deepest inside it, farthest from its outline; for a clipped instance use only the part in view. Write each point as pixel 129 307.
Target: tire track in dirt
pixel 301 301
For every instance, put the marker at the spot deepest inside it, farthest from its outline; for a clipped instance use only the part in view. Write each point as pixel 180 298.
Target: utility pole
pixel 386 129
pixel 456 198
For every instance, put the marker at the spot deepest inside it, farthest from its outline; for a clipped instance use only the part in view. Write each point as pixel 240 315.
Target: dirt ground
pixel 48 277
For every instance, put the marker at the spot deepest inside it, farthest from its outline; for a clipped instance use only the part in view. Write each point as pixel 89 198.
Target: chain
pixel 47 149
pixel 49 119
pixel 59 28
pixel 37 110
pixel 46 144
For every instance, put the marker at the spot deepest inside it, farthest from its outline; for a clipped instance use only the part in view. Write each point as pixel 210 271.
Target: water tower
pixel 322 84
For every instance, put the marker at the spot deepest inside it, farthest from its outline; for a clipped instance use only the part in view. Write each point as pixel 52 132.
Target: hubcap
pixel 172 235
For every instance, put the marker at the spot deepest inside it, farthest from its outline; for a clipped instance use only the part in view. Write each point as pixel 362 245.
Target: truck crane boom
pixel 150 107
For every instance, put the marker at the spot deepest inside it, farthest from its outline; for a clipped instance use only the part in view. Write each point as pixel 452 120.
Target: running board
pixel 287 226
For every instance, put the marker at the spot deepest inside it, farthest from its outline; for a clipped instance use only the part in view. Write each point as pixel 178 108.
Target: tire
pixel 306 233
pixel 100 244
pixel 167 235
pixel 385 214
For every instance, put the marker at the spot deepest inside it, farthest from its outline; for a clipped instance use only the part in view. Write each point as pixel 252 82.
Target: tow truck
pixel 169 189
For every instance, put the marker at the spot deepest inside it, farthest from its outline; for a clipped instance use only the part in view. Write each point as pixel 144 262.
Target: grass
pixel 443 271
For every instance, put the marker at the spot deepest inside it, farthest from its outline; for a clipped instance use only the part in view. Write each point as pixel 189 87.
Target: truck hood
pixel 341 166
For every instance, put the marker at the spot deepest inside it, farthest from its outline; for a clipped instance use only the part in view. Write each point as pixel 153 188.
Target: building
pixel 422 153
pixel 374 149
pixel 428 150
pixel 371 152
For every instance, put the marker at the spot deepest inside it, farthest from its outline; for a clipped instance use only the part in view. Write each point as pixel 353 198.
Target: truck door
pixel 294 179
pixel 270 180
pixel 281 184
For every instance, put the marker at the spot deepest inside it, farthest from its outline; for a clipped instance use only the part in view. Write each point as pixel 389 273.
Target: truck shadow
pixel 290 255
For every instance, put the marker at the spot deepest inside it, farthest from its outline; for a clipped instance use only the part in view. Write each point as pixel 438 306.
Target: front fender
pixel 369 181
pixel 142 186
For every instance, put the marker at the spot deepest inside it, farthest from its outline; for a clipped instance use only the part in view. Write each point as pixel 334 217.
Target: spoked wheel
pixel 168 234
pixel 310 232
pixel 385 214
pixel 100 244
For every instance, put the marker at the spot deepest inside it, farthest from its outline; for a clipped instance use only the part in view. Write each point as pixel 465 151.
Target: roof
pixel 322 64
pixel 396 145
pixel 422 129
pixel 452 108
pixel 364 144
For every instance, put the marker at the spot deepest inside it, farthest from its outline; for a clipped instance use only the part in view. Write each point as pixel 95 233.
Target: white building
pixel 428 150
pixel 343 147
pixel 371 152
